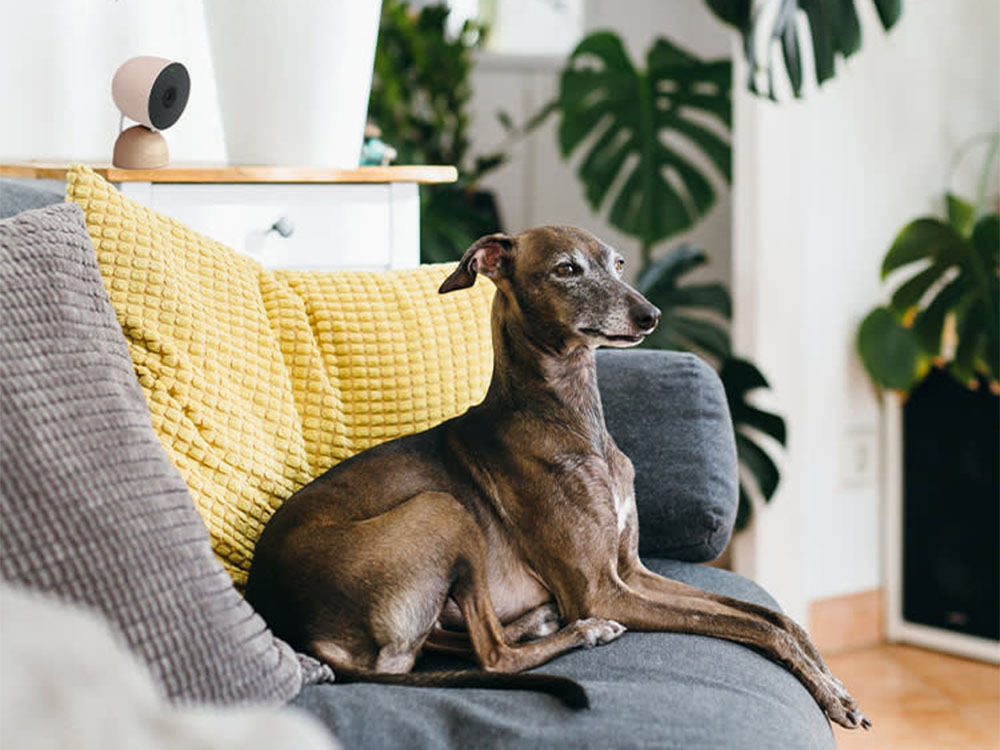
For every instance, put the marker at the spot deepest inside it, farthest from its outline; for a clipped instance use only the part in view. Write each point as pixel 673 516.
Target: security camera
pixel 153 92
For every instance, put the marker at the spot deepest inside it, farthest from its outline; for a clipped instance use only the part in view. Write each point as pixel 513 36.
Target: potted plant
pixel 936 344
pixel 419 99
pixel 944 314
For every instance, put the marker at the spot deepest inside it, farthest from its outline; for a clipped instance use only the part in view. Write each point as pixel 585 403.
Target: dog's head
pixel 564 284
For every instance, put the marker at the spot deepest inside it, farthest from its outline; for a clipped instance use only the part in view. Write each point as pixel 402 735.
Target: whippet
pixel 511 530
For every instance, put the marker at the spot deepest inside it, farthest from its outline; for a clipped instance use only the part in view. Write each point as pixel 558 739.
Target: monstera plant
pixel 946 310
pixel 622 114
pixel 833 28
pixel 636 128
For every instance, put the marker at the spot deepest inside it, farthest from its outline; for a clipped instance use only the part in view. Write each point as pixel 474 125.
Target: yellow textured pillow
pixel 259 381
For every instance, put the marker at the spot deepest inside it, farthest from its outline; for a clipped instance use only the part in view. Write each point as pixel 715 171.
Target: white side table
pixel 285 217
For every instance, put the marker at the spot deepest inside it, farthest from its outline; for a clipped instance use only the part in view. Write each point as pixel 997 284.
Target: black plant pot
pixel 951 507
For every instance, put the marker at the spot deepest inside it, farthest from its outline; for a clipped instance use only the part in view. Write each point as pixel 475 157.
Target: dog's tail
pixel 570 692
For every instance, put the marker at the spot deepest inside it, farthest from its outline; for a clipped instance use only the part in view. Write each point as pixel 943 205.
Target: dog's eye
pixel 619 265
pixel 566 269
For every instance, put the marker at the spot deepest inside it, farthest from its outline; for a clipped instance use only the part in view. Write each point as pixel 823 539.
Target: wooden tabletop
pixel 424 175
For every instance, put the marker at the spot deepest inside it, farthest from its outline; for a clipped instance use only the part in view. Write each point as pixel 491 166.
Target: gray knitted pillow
pixel 92 509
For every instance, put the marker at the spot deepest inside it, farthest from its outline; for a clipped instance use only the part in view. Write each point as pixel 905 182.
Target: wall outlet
pixel 859 458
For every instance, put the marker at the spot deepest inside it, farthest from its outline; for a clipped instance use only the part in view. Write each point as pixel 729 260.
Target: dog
pixel 508 533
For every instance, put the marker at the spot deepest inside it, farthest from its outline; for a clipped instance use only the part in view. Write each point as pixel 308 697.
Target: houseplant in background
pixel 630 121
pixel 937 343
pixel 945 313
pixel 832 28
pixel 419 100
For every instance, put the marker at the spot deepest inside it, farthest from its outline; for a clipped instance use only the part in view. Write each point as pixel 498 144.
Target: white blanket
pixel 66 681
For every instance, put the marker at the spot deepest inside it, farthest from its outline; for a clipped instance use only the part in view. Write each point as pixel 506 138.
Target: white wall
pixel 821 188
pixel 57 59
pixel 538 187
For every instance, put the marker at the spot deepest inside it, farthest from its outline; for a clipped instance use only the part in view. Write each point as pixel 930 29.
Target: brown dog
pixel 509 520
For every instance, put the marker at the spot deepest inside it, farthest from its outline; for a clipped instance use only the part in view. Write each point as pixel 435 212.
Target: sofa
pixel 138 466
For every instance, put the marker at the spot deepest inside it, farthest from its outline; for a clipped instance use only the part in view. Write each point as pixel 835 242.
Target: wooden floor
pixel 920 700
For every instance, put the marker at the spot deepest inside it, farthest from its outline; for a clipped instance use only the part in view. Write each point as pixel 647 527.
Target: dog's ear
pixel 488 255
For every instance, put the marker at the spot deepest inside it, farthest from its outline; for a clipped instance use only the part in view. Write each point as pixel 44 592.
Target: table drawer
pixel 324 226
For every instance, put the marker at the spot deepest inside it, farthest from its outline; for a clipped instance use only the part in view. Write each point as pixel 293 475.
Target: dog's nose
pixel 646 318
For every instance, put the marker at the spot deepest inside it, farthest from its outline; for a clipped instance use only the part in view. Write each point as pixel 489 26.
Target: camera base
pixel 138 147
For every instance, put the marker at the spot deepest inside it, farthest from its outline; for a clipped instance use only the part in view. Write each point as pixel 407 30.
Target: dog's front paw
pixel 841 707
pixel 596 631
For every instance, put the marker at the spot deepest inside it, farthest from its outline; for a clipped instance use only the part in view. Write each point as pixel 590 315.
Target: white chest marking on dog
pixel 621 510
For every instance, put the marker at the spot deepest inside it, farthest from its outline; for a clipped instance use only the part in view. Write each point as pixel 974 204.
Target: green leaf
pixel 619 114
pixel 925 238
pixel 734 12
pixel 764 421
pixel 961 214
pixel 744 510
pixel 704 336
pixel 986 240
pixel 740 377
pixel 991 351
pixel 793 58
pixel 929 323
pixel 961 281
pixel 910 293
pixel 971 329
pixel 678 328
pixel 891 353
pixel 889 12
pixel 714 297
pixel 759 463
pixel 663 272
pixel 834 31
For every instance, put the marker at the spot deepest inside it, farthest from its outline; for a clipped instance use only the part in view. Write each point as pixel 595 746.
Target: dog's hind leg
pixel 533 624
pixel 493 652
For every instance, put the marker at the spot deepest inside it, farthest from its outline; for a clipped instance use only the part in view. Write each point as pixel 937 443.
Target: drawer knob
pixel 283 226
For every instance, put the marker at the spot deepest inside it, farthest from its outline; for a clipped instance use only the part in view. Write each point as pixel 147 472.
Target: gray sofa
pixel 667 411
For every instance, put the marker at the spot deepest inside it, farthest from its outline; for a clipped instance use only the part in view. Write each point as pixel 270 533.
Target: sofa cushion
pixel 647 690
pixel 23 195
pixel 93 511
pixel 259 381
pixel 667 411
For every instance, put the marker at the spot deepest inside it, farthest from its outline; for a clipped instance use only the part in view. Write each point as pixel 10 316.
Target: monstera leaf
pixel 833 28
pixel 620 114
pixel 958 279
pixel 695 318
pixel 739 378
pixel 678 328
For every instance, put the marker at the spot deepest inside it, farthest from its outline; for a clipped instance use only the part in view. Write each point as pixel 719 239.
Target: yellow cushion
pixel 258 381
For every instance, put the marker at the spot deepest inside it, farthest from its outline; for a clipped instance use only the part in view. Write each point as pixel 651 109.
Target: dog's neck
pixel 529 378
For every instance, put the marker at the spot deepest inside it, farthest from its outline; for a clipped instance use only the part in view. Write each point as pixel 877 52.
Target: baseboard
pixel 851 621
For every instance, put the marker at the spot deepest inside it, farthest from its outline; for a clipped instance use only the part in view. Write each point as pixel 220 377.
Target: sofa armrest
pixel 667 412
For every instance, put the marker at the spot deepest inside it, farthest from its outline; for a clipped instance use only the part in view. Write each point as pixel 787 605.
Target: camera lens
pixel 169 96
